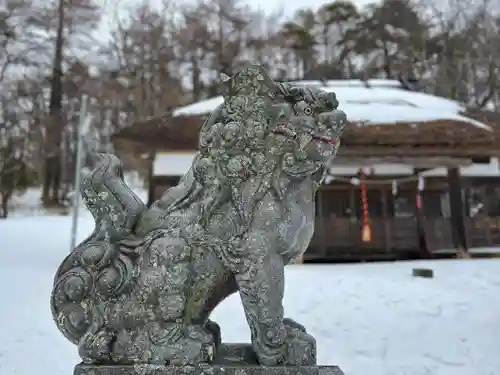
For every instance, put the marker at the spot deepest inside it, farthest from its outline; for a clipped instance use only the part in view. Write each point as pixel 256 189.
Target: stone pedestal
pixel 231 359
pixel 146 369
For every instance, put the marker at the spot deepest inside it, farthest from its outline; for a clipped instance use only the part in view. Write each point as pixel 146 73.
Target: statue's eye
pixel 308 111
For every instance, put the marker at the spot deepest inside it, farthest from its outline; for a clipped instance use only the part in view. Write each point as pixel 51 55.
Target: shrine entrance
pixel 341 218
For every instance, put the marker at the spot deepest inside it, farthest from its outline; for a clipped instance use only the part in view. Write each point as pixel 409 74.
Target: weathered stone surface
pixel 147 369
pixel 235 354
pixel 141 288
pixel 232 359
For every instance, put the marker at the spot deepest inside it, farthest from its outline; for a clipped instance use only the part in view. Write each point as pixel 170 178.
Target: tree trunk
pixel 52 176
pixel 46 179
pixel 195 79
pixel 5 205
pixel 387 62
pixel 351 70
pixel 56 181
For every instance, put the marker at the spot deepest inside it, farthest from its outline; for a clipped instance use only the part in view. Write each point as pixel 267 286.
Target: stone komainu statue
pixel 141 288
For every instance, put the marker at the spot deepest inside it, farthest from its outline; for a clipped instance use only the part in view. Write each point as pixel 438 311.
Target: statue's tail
pixel 115 208
pixel 102 265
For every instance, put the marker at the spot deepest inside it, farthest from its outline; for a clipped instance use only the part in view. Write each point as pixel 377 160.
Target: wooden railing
pixel 483 231
pixel 344 234
pixel 438 233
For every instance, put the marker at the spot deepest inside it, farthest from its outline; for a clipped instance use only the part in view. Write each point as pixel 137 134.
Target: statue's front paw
pixel 300 346
pixel 287 344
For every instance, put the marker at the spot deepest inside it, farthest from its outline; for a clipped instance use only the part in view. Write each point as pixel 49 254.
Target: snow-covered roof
pixel 375 101
pixel 177 164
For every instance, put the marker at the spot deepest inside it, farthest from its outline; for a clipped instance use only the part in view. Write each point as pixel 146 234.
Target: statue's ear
pixel 224 77
pixel 225 84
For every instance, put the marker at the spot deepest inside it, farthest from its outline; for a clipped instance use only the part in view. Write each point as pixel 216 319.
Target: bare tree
pixel 146 78
pixel 20 53
pixel 335 20
pixel 463 62
pixel 61 25
pixel 300 36
pixel 15 151
pixel 219 36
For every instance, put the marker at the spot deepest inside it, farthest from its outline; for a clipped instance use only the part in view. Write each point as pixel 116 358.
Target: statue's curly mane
pixel 294 93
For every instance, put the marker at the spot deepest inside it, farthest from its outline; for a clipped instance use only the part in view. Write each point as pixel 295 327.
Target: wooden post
pixel 420 217
pixel 387 221
pixel 487 218
pixel 151 185
pixel 457 211
pixel 321 215
pixel 354 227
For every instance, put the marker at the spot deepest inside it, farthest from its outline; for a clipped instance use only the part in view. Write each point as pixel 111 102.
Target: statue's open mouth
pixel 324 140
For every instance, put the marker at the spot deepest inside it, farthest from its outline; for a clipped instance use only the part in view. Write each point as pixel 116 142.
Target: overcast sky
pixel 290 6
pixel 268 6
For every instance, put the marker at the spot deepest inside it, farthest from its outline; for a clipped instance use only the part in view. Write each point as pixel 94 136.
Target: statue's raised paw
pixel 214 329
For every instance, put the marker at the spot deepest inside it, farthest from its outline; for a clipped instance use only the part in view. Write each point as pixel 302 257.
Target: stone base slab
pixel 145 369
pixel 230 359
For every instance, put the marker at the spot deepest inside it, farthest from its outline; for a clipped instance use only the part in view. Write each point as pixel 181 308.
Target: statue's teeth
pixel 304 140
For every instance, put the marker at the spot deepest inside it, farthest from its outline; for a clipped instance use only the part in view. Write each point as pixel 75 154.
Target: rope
pixel 357 181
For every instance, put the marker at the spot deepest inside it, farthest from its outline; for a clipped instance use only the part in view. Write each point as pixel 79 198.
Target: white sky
pixel 268 6
pixel 290 6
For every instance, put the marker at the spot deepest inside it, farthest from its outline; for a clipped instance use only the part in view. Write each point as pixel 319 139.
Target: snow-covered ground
pixel 370 319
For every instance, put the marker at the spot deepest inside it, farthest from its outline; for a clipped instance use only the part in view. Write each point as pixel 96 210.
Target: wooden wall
pixel 338 233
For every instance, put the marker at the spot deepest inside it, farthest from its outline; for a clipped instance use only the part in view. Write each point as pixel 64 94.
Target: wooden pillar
pixel 457 210
pixel 387 221
pixel 487 209
pixel 321 215
pixel 423 249
pixel 354 226
pixel 151 185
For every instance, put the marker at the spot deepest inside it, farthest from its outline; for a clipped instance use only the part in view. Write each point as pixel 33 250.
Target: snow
pixel 203 107
pixel 172 163
pixel 28 202
pixel 376 102
pixel 372 318
pixel 473 251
